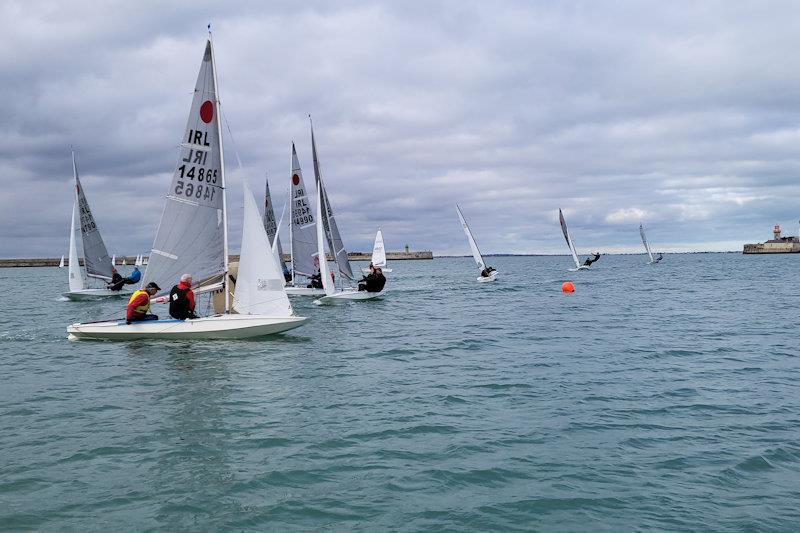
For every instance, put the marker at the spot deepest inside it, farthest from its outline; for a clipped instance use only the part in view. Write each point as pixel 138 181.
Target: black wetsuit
pixel 316 281
pixel 373 282
pixel 486 272
pixel 117 281
pixel 590 260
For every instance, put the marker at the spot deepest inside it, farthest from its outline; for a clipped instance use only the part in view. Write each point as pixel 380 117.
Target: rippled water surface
pixel 658 397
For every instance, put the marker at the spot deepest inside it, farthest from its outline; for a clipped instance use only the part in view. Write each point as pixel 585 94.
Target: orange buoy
pixel 567 286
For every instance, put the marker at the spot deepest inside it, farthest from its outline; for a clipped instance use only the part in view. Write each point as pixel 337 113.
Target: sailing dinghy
pixel 97 264
pixel 326 220
pixel 653 260
pixel 61 263
pixel 302 235
pixel 476 254
pixel 192 237
pixel 568 237
pixel 378 254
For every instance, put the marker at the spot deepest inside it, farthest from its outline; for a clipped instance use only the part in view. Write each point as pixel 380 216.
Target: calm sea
pixel 654 397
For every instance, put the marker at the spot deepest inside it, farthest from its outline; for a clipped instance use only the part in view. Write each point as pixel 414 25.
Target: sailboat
pixel 653 260
pixel 192 237
pixel 476 254
pixel 378 254
pixel 302 235
pixel 578 265
pixel 113 260
pixel 325 219
pixel 61 263
pixel 96 262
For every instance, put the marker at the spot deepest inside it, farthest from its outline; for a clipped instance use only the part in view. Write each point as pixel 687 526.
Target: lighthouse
pixel 776 232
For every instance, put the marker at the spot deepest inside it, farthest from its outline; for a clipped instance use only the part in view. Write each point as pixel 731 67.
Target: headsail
pixel 378 251
pixel 332 234
pixel 644 241
pixel 259 284
pixel 61 263
pixel 303 225
pixel 96 260
pixel 271 226
pixel 192 235
pixel 75 276
pixel 568 238
pixel 472 244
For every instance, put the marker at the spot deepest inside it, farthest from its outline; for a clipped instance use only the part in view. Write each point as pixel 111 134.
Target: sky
pixel 682 115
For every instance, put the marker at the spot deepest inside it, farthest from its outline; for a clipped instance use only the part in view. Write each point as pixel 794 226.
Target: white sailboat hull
pixel 350 295
pixel 304 291
pixel 96 294
pixel 582 267
pixel 367 271
pixel 491 277
pixel 213 327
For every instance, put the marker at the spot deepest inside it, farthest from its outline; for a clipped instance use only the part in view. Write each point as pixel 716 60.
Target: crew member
pixel 372 282
pixel 117 281
pixel 139 304
pixel 315 281
pixel 181 299
pixel 590 260
pixel 486 272
pixel 134 276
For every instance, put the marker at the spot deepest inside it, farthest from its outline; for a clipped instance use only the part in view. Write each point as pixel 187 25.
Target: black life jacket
pixel 375 282
pixel 179 303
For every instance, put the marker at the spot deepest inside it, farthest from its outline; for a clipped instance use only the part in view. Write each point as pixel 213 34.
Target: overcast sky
pixel 683 115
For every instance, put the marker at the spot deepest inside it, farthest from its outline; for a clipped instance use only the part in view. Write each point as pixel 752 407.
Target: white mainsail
pixel 327 282
pixel 472 244
pixel 75 276
pixel 303 227
pixel 271 226
pixel 378 251
pixel 644 241
pixel 61 263
pixel 259 283
pixel 96 260
pixel 569 239
pixel 332 234
pixel 192 234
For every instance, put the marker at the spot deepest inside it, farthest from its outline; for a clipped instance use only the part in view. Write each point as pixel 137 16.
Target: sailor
pixel 486 272
pixel 287 276
pixel 117 281
pixel 590 260
pixel 659 258
pixel 181 299
pixel 315 281
pixel 134 276
pixel 139 304
pixel 372 282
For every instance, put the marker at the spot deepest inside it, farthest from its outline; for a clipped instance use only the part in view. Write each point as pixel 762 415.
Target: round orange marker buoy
pixel 567 286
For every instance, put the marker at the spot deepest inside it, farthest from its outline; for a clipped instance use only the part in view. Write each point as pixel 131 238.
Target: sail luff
pixel 644 241
pixel 476 253
pixel 568 239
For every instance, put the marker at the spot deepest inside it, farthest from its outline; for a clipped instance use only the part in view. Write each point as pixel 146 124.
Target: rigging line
pixel 230 136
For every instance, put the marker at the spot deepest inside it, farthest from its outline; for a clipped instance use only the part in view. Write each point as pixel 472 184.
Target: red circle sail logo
pixel 207 111
pixel 296 179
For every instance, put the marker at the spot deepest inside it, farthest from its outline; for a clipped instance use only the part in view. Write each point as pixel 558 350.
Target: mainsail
pixel 303 231
pixel 332 234
pixel 472 244
pixel 192 234
pixel 259 283
pixel 378 251
pixel 568 238
pixel 95 256
pixel 271 226
pixel 76 282
pixel 644 241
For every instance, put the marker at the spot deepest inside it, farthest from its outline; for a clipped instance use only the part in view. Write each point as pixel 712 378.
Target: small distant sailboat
pixel 476 254
pixel 138 261
pixel 61 263
pixel 302 234
pixel 326 220
pixel 192 237
pixel 113 260
pixel 378 254
pixel 96 262
pixel 578 265
pixel 124 261
pixel 647 248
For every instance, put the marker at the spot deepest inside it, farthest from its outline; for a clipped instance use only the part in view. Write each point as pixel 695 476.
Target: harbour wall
pixel 772 248
pixel 354 256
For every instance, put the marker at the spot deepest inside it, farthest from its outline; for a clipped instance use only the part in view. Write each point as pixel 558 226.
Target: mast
pixel 222 179
pixel 291 215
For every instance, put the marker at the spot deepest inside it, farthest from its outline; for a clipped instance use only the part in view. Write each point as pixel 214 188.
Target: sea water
pixel 654 397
